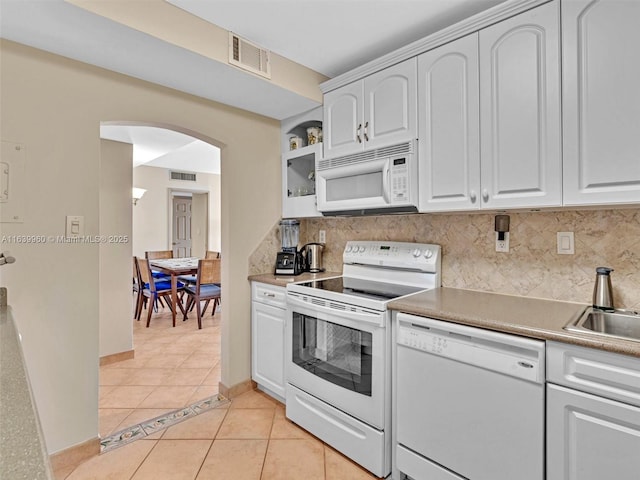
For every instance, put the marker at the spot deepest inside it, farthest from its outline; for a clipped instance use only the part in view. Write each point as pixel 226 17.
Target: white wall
pixel 115 253
pixel 152 214
pixel 54 107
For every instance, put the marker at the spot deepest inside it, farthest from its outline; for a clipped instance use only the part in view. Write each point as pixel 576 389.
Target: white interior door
pixel 181 232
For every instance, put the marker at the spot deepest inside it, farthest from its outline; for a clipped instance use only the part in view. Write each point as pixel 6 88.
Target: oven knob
pixel 361 249
pixel 428 254
pixel 417 253
pixel 348 249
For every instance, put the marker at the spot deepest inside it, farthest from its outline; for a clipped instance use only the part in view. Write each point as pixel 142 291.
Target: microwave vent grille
pixel 383 152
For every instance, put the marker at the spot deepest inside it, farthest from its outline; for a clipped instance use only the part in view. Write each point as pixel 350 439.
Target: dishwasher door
pixel 470 402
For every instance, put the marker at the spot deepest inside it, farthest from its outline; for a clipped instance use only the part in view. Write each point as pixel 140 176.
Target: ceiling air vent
pixel 189 177
pixel 249 56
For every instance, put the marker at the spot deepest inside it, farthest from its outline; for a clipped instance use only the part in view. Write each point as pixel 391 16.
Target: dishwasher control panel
pixel 422 340
pixel 507 354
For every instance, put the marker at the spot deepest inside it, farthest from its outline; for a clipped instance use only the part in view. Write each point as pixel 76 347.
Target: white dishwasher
pixel 469 403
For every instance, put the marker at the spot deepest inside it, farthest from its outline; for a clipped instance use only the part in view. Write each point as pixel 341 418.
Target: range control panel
pixel 413 256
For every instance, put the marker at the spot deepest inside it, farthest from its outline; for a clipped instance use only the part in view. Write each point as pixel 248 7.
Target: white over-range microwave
pixel 384 180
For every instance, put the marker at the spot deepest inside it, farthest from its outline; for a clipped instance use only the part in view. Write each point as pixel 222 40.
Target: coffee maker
pixel 289 259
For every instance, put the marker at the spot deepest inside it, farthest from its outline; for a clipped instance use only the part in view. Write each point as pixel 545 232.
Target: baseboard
pixel 116 357
pixel 65 461
pixel 238 389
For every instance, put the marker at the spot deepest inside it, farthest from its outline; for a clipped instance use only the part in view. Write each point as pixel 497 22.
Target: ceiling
pixel 328 36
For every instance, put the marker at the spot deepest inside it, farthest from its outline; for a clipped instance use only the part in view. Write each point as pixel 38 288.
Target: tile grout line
pixel 162 422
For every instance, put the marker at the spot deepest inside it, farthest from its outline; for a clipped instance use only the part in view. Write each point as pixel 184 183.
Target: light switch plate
pixel 74 227
pixel 566 245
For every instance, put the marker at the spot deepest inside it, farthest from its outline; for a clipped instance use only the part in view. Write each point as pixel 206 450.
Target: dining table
pixel 175 267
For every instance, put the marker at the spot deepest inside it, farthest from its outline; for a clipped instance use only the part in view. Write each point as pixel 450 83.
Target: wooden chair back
pixel 158 254
pixel 208 271
pixel 145 273
pixel 211 254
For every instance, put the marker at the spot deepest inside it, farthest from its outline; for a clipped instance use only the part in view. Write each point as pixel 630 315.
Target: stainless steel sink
pixel 623 324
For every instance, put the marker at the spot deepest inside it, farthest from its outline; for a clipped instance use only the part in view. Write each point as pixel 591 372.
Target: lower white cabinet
pixel 268 313
pixel 593 414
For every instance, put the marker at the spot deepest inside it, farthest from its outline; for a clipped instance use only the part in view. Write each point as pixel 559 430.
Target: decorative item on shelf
pixel 314 135
pixel 295 142
pixel 137 194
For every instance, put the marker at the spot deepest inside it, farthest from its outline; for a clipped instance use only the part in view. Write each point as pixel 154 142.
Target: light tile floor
pixel 172 368
pixel 247 439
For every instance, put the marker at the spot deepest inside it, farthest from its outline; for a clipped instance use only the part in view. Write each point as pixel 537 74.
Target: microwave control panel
pixel 399 173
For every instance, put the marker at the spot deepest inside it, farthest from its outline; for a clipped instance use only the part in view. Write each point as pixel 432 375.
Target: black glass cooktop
pixel 362 288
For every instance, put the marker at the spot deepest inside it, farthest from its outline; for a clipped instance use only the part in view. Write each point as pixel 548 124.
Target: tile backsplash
pixel 532 267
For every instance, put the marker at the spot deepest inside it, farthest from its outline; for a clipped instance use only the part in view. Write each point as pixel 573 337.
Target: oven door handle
pixel 370 318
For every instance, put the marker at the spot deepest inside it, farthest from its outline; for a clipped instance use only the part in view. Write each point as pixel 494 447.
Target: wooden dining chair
pixel 159 255
pixel 191 279
pixel 207 288
pixel 137 289
pixel 154 290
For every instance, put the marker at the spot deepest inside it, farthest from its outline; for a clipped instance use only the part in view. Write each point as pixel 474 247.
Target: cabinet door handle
pixel 358 133
pixel 366 135
pixel 270 295
pixel 472 196
pixel 485 195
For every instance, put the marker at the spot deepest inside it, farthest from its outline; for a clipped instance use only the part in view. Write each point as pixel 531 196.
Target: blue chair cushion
pixel 163 285
pixel 211 290
pixel 188 278
pixel 155 274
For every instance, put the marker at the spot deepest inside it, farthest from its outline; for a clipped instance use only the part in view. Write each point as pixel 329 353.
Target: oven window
pixel 364 185
pixel 337 354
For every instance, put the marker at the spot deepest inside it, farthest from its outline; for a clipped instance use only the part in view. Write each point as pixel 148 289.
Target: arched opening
pixel 166 368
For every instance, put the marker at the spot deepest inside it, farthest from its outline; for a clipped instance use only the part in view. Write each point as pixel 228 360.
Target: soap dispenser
pixel 602 291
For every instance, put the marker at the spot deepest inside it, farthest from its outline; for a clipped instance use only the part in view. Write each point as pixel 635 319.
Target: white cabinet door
pixel 601 101
pixel 390 105
pixel 448 138
pixel 520 110
pixel 267 340
pixel 342 116
pixel 377 111
pixel 591 438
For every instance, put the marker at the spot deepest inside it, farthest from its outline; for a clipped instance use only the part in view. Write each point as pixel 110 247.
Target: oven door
pixel 339 357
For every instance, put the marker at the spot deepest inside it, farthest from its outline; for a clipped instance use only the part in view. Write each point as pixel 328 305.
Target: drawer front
pixel 348 435
pixel 269 294
pixel 601 373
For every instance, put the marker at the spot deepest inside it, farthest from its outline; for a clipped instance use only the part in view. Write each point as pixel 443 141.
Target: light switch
pixel 74 226
pixel 565 243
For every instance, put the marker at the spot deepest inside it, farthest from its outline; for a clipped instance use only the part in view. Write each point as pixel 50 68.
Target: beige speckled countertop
pixel 22 452
pixel 529 317
pixel 283 280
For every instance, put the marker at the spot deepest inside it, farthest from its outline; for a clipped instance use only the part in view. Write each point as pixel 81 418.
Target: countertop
pixel 22 452
pixel 283 280
pixel 529 317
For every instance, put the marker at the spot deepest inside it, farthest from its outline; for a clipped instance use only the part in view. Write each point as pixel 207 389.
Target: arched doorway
pixel 172 368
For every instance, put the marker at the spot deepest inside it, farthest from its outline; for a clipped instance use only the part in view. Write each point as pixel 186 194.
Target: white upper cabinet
pixel 601 101
pixel 448 135
pixel 520 110
pixel 376 111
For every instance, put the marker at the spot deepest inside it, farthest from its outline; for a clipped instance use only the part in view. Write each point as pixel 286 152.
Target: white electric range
pixel 338 346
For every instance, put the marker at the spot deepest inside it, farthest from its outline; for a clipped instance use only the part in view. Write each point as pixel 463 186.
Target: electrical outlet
pixel 322 236
pixel 502 245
